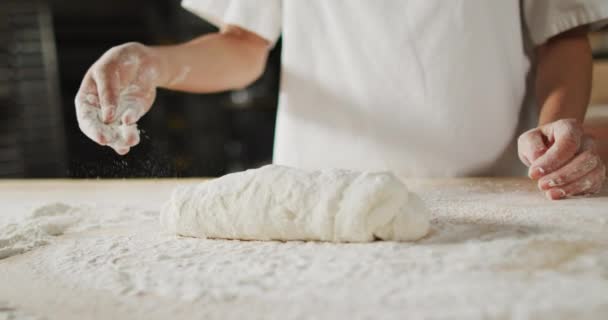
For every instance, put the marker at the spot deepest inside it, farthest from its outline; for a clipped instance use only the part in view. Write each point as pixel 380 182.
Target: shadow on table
pixel 456 233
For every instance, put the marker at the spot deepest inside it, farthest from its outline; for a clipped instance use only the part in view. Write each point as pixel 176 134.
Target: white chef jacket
pixel 419 87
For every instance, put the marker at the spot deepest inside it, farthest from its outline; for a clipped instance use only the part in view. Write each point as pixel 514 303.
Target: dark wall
pixel 32 137
pixel 184 134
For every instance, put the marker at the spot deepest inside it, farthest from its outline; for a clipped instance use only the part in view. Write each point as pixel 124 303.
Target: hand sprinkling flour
pixel 121 85
pixel 115 93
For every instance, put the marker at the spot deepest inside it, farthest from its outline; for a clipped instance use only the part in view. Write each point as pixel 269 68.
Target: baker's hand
pixel 115 93
pixel 562 159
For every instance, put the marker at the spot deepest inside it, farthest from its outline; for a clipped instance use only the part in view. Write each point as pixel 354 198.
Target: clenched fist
pixel 115 93
pixel 562 159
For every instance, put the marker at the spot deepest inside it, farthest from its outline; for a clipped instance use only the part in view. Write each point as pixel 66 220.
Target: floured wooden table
pixel 497 250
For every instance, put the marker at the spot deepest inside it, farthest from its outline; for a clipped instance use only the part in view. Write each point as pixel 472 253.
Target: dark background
pixel 46 48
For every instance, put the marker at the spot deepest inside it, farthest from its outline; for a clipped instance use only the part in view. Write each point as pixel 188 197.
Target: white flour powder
pixel 494 252
pixel 44 224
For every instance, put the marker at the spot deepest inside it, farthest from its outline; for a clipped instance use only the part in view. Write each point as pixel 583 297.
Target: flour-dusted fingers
pixel 116 92
pixel 531 146
pixel 591 183
pixel 87 93
pixel 134 103
pixel 581 165
pixel 133 114
pixel 138 97
pixel 129 135
pixel 121 150
pixel 122 133
pixel 107 78
pixel 90 124
pixel 116 70
pixel 88 114
pixel 564 137
pixel 112 73
pixel 88 90
pixel 88 110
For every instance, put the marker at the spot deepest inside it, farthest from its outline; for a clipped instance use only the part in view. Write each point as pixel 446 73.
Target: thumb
pixel 531 146
pixel 566 136
pixel 133 104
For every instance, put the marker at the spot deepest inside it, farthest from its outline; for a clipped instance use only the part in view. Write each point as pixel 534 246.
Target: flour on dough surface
pixel 282 203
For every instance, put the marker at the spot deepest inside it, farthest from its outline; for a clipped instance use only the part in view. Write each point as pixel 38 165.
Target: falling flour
pixel 134 100
pixel 282 203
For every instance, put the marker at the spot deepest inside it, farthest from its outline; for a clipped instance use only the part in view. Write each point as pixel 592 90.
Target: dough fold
pixel 282 203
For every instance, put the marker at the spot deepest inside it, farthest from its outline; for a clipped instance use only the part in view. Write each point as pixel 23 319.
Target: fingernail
pixel 545 185
pixel 556 194
pixel 536 172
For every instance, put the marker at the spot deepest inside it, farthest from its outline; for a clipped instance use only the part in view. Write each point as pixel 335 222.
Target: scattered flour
pixel 496 251
pixel 44 224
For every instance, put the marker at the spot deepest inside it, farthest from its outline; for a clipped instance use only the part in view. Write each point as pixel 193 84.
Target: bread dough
pixel 282 203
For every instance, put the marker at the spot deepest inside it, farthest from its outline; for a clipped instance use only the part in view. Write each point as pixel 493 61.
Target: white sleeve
pixel 262 17
pixel 548 18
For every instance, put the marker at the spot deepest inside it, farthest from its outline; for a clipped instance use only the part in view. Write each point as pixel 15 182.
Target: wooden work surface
pixel 497 249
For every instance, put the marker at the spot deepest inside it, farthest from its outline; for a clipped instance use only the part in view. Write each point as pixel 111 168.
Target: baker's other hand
pixel 562 159
pixel 115 93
